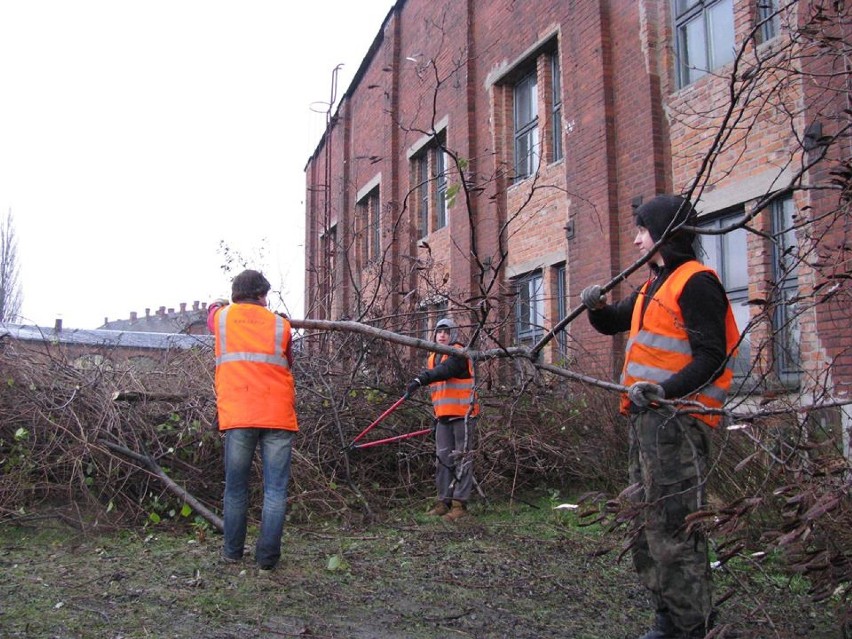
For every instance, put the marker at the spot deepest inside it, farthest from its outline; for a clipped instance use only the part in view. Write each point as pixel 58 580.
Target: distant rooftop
pixel 184 320
pixel 101 337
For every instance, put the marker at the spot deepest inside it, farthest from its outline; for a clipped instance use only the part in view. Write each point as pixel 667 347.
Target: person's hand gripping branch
pixel 643 394
pixel 593 298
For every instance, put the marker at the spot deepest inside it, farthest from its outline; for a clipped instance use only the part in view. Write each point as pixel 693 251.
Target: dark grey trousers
pixel 455 443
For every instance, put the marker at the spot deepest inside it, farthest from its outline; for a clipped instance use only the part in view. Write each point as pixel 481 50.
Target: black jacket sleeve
pixel 453 366
pixel 614 318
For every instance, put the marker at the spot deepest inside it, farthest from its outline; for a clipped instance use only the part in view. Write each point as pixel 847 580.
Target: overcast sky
pixel 136 136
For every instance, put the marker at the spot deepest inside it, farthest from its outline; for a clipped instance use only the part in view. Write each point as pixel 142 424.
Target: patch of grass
pixel 520 572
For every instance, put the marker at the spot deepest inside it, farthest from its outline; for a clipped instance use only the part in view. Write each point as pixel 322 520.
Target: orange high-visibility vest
pixel 254 386
pixel 658 345
pixel 452 397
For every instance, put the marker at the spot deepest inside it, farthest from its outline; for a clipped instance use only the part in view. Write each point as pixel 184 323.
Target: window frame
pixel 375 224
pixel 768 19
pixel 328 244
pixel 556 110
pixel 786 331
pixel 530 309
pixel 441 182
pixel 561 280
pixel 422 172
pixel 738 296
pixel 369 212
pixel 429 179
pixel 689 12
pixel 526 161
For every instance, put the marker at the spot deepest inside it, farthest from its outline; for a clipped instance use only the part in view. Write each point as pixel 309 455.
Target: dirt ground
pixel 521 573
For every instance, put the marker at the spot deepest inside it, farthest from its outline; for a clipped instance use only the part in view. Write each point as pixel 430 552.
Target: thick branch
pixel 149 463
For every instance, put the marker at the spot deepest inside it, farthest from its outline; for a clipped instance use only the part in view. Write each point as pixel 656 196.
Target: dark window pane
pixel 684 5
pixel 767 15
pixel 441 188
pixel 423 200
pixel 557 107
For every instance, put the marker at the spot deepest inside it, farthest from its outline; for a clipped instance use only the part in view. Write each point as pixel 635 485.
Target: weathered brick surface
pixel 628 133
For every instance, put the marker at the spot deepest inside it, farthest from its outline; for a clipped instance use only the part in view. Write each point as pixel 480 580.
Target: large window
pixel 785 324
pixel 728 256
pixel 369 214
pixel 529 307
pixel 704 37
pixel 328 241
pixel 561 308
pixel 421 163
pixel 527 145
pixel 429 182
pixel 767 19
pixel 440 187
pixel 556 83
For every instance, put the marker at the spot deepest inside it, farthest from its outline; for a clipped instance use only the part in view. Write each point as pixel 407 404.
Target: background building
pixel 488 156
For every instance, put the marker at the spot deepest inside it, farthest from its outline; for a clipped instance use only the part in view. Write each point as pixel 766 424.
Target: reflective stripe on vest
pixel 452 397
pixel 225 356
pixel 658 346
pixel 254 385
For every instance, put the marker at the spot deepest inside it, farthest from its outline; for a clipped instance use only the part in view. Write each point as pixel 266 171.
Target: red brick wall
pixel 628 134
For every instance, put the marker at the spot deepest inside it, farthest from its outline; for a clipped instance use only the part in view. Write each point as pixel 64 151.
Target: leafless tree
pixel 11 296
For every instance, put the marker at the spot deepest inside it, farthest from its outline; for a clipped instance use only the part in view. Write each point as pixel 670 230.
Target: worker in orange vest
pixel 681 341
pixel 256 401
pixel 451 381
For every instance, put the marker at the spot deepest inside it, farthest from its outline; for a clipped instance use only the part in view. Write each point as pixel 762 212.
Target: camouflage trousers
pixel 668 459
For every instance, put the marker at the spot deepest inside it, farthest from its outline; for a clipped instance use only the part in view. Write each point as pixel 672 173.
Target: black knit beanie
pixel 249 285
pixel 658 214
pixel 664 212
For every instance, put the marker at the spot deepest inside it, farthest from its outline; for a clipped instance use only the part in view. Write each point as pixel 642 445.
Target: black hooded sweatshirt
pixel 703 302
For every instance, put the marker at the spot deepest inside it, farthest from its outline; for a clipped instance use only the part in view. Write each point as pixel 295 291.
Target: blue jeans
pixel 275 450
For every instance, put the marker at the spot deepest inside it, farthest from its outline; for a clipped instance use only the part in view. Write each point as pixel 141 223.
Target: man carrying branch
pixel 256 401
pixel 682 334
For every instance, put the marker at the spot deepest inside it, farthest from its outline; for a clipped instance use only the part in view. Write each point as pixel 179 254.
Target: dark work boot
pixel 663 628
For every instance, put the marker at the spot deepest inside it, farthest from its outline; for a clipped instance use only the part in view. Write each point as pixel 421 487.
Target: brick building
pixel 90 348
pixel 560 117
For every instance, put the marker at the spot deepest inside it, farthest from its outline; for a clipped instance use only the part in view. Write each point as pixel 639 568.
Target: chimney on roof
pixel 203 306
pixel 195 305
pixel 147 313
pixel 132 316
pixel 58 325
pixel 171 311
pixel 183 308
pixel 161 310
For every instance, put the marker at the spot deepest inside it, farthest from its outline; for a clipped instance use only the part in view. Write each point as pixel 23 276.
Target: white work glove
pixel 221 302
pixel 592 297
pixel 643 393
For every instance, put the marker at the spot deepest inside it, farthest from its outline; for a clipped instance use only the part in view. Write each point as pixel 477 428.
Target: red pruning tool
pixel 387 439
